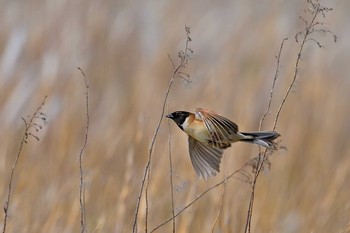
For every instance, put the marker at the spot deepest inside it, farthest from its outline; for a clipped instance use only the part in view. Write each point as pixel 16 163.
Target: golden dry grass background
pixel 123 47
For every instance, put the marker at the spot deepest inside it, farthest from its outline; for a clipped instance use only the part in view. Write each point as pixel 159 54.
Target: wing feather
pixel 221 130
pixel 205 159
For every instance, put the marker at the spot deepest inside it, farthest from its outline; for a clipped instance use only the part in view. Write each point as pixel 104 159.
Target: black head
pixel 179 117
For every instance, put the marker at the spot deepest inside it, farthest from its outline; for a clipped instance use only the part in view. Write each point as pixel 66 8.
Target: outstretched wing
pixel 205 159
pixel 222 131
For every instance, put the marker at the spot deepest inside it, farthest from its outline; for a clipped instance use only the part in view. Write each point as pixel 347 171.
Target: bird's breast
pixel 198 131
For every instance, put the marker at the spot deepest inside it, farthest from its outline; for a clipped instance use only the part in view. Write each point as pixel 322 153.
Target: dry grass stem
pixel 183 55
pixel 199 196
pixel 220 207
pixel 171 179
pixel 31 128
pixel 81 167
pixel 261 158
pixel 278 57
pixel 314 10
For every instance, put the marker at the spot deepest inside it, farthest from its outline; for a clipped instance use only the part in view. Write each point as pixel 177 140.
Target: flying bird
pixel 209 134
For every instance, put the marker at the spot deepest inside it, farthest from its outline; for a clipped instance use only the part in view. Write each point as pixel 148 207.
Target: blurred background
pixel 124 49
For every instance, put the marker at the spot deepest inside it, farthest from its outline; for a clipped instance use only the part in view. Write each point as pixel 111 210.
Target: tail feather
pixel 262 138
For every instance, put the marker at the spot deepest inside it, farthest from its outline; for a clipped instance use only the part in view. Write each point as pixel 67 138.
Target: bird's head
pixel 178 117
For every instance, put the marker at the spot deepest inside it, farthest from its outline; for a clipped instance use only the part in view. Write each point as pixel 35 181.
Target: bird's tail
pixel 262 138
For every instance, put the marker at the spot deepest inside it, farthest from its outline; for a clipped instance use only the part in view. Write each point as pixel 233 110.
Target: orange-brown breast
pixel 196 129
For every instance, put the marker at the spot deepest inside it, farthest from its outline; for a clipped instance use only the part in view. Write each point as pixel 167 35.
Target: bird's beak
pixel 169 116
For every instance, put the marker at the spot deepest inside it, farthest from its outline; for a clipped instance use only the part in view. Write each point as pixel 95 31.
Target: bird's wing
pixel 205 159
pixel 221 129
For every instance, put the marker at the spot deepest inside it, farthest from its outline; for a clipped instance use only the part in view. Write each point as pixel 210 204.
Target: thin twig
pixel 28 126
pixel 309 29
pixel 316 10
pixel 220 206
pixel 183 61
pixel 261 159
pixel 81 168
pixel 199 196
pixel 146 176
pixel 171 179
pixel 262 154
pixel 273 84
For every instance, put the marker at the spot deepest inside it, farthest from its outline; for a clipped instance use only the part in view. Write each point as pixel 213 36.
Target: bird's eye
pixel 176 114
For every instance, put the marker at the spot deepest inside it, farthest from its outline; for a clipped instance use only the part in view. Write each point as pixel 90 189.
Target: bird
pixel 209 134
